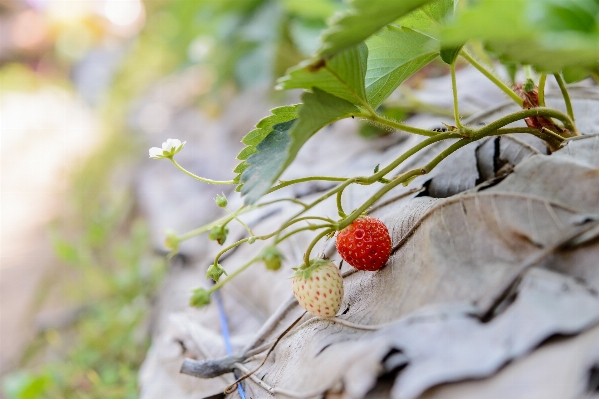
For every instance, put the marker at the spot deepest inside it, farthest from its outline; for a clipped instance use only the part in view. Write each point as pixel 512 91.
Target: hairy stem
pixel 182 169
pixel 396 125
pixel 492 77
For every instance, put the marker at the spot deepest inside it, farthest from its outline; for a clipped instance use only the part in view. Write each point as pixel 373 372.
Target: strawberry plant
pixel 366 53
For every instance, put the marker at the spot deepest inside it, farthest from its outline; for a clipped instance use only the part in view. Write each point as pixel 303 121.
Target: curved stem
pixel 293 232
pixel 295 220
pixel 182 169
pixel 425 143
pixel 224 281
pixel 305 179
pixel 525 113
pixel 236 244
pixel 545 134
pixel 454 89
pixel 492 77
pixel 245 226
pixel 339 205
pixel 542 80
pixel 313 243
pixel 294 200
pixel 565 94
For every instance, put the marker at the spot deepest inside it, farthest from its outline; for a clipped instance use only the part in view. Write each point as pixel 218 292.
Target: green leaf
pixel 361 20
pixel 280 146
pixel 550 35
pixel 394 54
pixel 342 75
pixel 575 74
pixel 428 18
pixel 450 54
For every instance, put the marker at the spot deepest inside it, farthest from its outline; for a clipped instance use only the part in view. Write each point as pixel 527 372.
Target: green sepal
pixel 304 271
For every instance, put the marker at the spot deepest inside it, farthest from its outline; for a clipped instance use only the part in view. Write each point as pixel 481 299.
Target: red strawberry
pixel 365 244
pixel 319 288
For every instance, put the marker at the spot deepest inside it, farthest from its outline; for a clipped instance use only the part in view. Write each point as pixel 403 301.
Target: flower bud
pixel 200 297
pixel 221 201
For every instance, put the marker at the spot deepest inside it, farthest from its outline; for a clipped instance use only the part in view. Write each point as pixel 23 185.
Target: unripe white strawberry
pixel 319 288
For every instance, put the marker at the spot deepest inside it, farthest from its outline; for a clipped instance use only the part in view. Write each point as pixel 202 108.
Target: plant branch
pixel 202 179
pixel 542 80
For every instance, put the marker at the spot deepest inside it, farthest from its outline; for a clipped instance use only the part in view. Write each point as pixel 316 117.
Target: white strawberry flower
pixel 169 148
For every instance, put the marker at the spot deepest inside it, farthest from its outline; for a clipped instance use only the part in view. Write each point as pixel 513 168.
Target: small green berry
pixel 219 234
pixel 200 297
pixel 251 240
pixel 171 242
pixel 215 271
pixel 221 201
pixel 272 258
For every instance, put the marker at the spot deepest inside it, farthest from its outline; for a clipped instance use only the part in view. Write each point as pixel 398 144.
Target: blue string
pixel 224 326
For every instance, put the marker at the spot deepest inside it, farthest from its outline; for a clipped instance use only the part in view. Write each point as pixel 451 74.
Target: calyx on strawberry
pixel 319 288
pixel 365 244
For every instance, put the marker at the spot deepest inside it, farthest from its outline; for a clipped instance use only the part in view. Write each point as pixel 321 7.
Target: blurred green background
pixel 77 272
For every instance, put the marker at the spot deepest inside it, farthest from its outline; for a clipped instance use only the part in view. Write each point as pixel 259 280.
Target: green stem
pixel 295 220
pixel 224 281
pixel 245 226
pixel 545 134
pixel 182 169
pixel 492 77
pixel 401 179
pixel 313 243
pixel 425 143
pixel 454 89
pixel 305 179
pixel 293 232
pixel 542 80
pixel 565 94
pixel 294 200
pixel 238 243
pixel 207 227
pixel 339 205
pixel 396 125
pixel 525 113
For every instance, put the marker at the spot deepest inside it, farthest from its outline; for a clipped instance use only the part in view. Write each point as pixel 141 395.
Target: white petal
pixel 155 152
pixel 166 146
